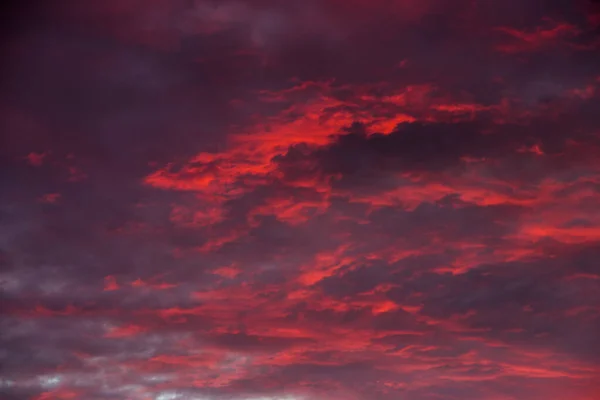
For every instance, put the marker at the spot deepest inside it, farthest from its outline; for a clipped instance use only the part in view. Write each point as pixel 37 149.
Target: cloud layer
pixel 300 200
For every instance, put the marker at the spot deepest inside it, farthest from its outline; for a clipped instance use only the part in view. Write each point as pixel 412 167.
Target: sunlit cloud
pixel 318 200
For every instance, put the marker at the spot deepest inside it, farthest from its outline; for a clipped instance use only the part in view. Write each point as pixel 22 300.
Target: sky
pixel 300 200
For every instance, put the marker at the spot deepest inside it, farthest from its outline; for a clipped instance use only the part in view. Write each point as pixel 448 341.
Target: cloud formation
pixel 300 200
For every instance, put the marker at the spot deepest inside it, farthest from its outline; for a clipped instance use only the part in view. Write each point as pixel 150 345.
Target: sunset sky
pixel 300 200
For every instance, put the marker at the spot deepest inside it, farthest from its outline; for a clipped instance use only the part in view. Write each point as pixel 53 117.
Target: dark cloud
pixel 418 147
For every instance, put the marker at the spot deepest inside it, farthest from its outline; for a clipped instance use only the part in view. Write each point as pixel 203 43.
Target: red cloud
pixel 297 200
